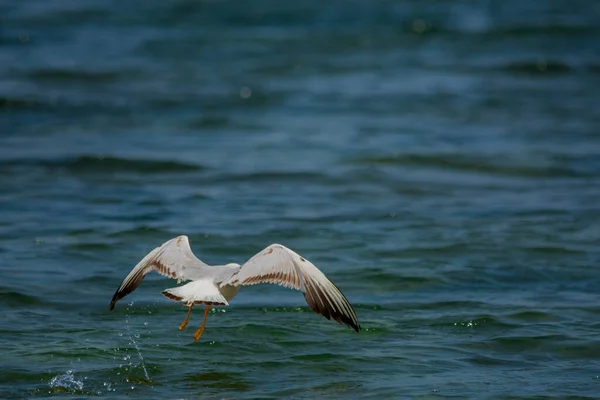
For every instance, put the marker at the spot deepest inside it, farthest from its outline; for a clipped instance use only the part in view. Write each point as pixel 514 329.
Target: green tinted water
pixel 439 162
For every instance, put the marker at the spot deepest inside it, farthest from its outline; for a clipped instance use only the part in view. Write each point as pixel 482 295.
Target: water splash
pixel 139 353
pixel 132 336
pixel 109 387
pixel 66 381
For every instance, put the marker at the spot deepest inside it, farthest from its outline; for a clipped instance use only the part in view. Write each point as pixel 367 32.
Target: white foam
pixel 66 381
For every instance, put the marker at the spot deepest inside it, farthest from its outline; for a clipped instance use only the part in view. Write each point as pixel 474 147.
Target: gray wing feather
pixel 173 259
pixel 280 265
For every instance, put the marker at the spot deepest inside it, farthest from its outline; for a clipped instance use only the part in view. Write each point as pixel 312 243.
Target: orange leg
pixel 201 329
pixel 185 322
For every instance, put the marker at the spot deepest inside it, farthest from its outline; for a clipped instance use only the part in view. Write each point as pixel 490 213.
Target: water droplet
pixel 419 26
pixel 245 92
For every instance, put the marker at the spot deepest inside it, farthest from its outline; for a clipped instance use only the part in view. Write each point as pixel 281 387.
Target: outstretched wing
pixel 174 259
pixel 280 265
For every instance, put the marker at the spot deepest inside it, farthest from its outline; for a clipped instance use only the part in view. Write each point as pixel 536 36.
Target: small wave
pixel 538 67
pixel 209 122
pixel 494 361
pixel 118 164
pixel 268 176
pixel 534 316
pixel 13 299
pixel 220 380
pixel 61 16
pixel 468 163
pixel 427 27
pixel 142 231
pixel 451 249
pixel 90 246
pixel 385 279
pixel 594 69
pixel 93 280
pixel 107 164
pixel 527 344
pixel 74 75
pixel 482 321
pixel 15 103
pixel 558 30
pixel 279 309
pixel 317 357
pixel 452 305
pixel 553 250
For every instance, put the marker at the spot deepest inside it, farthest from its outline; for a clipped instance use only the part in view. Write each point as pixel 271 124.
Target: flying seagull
pixel 217 285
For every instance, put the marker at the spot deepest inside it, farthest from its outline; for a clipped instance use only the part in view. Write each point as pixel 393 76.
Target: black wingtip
pixel 129 284
pixel 116 297
pixel 350 322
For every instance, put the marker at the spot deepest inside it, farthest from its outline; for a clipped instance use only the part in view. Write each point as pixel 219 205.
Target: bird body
pixel 202 291
pixel 217 285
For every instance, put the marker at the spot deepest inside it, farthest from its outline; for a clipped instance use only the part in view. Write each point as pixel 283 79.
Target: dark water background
pixel 438 160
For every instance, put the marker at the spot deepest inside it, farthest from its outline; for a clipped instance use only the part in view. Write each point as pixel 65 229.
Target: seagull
pixel 217 285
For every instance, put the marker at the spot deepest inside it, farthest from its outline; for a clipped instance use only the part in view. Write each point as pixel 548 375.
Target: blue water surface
pixel 439 161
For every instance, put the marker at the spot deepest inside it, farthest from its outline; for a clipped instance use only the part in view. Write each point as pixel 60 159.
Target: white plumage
pixel 197 292
pixel 217 285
